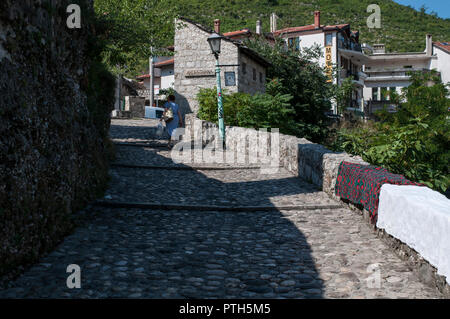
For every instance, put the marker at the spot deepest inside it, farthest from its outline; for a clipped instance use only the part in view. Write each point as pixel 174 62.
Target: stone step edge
pixel 191 168
pixel 150 145
pixel 113 204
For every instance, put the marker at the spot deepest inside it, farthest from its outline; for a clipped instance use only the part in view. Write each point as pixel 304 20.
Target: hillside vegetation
pixel 402 28
pixel 132 26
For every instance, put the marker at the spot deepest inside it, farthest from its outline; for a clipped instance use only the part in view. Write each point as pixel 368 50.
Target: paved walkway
pixel 312 248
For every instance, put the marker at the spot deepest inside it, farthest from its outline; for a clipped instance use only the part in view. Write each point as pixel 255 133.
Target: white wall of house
pixel 167 77
pixel 399 85
pixel 310 40
pixel 156 82
pixel 397 63
pixel 390 70
pixel 164 81
pixel 442 63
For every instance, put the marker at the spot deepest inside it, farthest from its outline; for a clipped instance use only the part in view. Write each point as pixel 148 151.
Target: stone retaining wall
pixel 135 105
pixel 318 165
pixel 313 162
pixel 54 123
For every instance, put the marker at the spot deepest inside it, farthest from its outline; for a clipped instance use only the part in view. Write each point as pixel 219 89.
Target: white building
pixel 441 50
pixel 164 78
pixel 340 48
pixel 388 72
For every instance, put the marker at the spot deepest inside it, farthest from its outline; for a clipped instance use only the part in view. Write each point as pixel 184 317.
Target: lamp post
pixel 214 42
pixel 151 73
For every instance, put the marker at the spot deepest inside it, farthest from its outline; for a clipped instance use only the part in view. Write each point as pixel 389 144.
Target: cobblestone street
pixel 299 244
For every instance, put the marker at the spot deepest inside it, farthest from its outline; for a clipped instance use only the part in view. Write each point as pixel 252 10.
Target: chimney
pixel 258 27
pixel 317 19
pixel 273 22
pixel 429 45
pixel 379 49
pixel 217 26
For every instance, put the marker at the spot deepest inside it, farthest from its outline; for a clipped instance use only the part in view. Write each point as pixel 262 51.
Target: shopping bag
pixel 160 129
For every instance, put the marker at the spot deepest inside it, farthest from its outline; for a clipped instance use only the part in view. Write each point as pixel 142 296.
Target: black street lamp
pixel 214 42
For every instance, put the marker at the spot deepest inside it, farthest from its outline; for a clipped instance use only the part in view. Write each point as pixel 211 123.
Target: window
pixel 261 78
pixel 244 68
pixel 407 66
pixel 254 74
pixel 375 94
pixel 328 39
pixel 294 43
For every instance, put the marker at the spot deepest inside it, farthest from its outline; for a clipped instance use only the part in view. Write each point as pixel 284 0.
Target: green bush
pixel 298 75
pixel 414 141
pixel 253 111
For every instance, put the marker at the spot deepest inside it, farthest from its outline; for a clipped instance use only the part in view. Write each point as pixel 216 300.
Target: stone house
pixel 194 65
pixel 125 87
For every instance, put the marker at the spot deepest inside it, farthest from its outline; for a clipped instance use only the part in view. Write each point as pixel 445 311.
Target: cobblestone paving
pixel 138 253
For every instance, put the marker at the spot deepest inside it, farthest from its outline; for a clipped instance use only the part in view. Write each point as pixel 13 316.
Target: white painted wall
pixel 156 82
pixel 167 77
pixel 309 40
pixel 388 65
pixel 399 85
pixel 442 63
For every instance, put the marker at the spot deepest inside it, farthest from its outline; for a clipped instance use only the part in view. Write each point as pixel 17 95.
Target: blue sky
pixel 441 7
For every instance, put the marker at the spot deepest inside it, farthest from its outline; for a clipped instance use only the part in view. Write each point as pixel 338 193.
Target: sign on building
pixel 328 63
pixel 199 73
pixel 230 79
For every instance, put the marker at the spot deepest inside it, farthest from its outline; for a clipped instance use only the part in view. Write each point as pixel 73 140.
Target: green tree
pixel 301 77
pixel 342 94
pixel 414 141
pixel 129 28
pixel 253 111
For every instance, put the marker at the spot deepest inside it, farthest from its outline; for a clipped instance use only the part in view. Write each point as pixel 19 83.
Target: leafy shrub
pixel 414 141
pixel 245 110
pixel 299 75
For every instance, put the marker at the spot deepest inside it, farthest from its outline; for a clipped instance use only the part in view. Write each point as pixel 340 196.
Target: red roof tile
pixel 334 26
pixel 167 62
pixel 295 29
pixel 242 31
pixel 162 63
pixel 310 28
pixel 143 76
pixel 443 45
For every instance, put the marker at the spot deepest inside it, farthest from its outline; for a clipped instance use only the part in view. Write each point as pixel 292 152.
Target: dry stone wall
pixel 53 134
pixel 313 162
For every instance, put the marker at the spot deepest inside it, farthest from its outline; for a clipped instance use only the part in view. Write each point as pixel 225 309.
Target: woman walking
pixel 172 116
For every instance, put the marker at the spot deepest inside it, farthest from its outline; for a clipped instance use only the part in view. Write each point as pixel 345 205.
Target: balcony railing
pixel 349 45
pixel 347 73
pixel 372 106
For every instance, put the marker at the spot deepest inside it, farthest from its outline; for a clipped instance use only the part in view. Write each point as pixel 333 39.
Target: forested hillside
pixel 132 25
pixel 402 27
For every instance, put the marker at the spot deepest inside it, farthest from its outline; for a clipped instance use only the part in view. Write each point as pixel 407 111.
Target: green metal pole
pixel 220 104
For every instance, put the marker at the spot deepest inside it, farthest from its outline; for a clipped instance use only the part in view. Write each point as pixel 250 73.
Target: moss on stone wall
pixel 55 104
